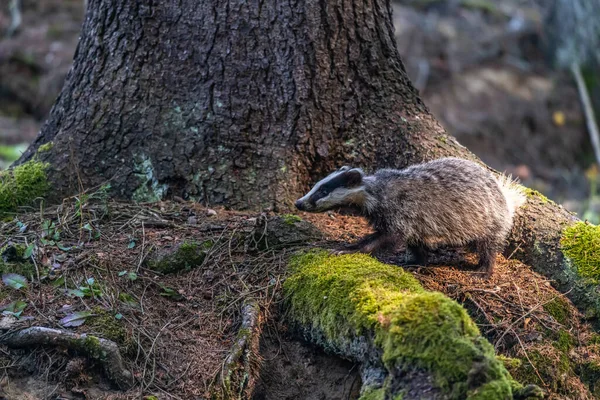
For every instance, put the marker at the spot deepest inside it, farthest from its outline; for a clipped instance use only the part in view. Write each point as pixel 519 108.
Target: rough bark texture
pixel 233 102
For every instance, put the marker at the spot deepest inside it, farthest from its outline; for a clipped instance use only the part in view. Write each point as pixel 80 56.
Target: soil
pixel 294 370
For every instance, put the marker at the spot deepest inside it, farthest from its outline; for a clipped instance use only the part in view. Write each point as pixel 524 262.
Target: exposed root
pixel 102 350
pixel 237 378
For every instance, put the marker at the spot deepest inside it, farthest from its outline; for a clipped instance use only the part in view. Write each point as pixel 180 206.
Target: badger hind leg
pixel 487 250
pixel 420 254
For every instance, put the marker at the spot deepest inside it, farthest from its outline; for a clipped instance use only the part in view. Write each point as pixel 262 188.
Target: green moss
pixel 185 257
pixel 105 325
pixel 551 364
pixel 93 348
pixel 349 295
pixel 511 364
pixel 558 308
pixel 534 194
pixel 22 185
pixel 373 394
pixel 291 219
pixel 45 147
pixel 580 243
pixel 564 342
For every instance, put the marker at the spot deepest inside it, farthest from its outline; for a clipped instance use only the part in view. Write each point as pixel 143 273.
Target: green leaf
pixel 62 247
pixel 88 227
pixel 90 281
pixel 15 281
pixel 75 319
pixel 122 273
pixel 28 251
pixel 58 282
pixel 128 299
pixel 131 244
pixel 75 292
pixel 172 293
pixel 118 316
pixel 132 276
pixel 15 308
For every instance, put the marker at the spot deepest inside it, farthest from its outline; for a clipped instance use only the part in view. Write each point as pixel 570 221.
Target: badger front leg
pixel 369 244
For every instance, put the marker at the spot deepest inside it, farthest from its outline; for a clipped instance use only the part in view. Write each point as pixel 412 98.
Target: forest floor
pixel 98 264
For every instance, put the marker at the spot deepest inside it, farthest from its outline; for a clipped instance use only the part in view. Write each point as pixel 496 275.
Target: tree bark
pixel 233 102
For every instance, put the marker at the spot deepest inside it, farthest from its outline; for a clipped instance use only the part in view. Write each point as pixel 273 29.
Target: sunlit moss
pixel 581 245
pixel 22 185
pixel 347 296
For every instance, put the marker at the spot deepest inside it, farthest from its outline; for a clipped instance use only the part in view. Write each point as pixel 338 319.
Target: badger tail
pixel 513 193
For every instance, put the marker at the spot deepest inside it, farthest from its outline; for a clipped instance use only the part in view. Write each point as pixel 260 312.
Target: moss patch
pixel 558 308
pixel 45 147
pixel 581 245
pixel 564 342
pixel 291 219
pixel 104 324
pixel 22 185
pixel 534 194
pixel 347 296
pixel 183 258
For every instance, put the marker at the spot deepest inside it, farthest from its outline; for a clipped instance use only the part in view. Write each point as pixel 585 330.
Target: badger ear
pixel 354 177
pixel 344 168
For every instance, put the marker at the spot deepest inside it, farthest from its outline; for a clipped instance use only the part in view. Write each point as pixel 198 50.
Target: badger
pixel 447 202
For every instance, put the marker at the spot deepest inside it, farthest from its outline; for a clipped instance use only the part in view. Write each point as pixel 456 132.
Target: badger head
pixel 343 187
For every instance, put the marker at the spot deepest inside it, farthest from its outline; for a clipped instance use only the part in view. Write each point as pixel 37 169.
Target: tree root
pixel 102 350
pixel 238 371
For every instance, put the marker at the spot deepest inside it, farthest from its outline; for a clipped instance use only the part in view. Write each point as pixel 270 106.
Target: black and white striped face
pixel 341 188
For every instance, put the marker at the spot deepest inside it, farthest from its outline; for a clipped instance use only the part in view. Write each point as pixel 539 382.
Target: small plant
pixel 130 274
pixel 91 290
pixel 14 309
pixel 14 281
pixel 127 299
pixel 170 293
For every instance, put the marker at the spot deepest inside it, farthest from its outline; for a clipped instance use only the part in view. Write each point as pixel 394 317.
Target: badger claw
pixel 338 252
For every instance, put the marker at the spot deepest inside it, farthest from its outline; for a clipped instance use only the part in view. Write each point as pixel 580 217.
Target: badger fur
pixel 445 202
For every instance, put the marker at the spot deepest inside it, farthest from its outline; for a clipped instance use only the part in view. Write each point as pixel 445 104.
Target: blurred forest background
pixel 491 72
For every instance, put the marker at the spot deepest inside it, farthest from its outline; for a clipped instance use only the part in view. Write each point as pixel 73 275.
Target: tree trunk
pixel 233 102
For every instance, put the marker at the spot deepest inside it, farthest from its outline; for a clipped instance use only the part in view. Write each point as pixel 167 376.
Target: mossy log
pixel 411 343
pixel 104 351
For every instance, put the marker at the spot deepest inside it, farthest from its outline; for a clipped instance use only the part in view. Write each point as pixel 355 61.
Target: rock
pixel 211 212
pixel 282 231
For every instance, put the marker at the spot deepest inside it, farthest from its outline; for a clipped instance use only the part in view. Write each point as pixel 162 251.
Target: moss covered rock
pixel 182 257
pixel 22 185
pixel 379 314
pixel 581 245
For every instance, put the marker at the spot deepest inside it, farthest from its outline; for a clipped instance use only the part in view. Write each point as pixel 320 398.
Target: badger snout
pixel 300 205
